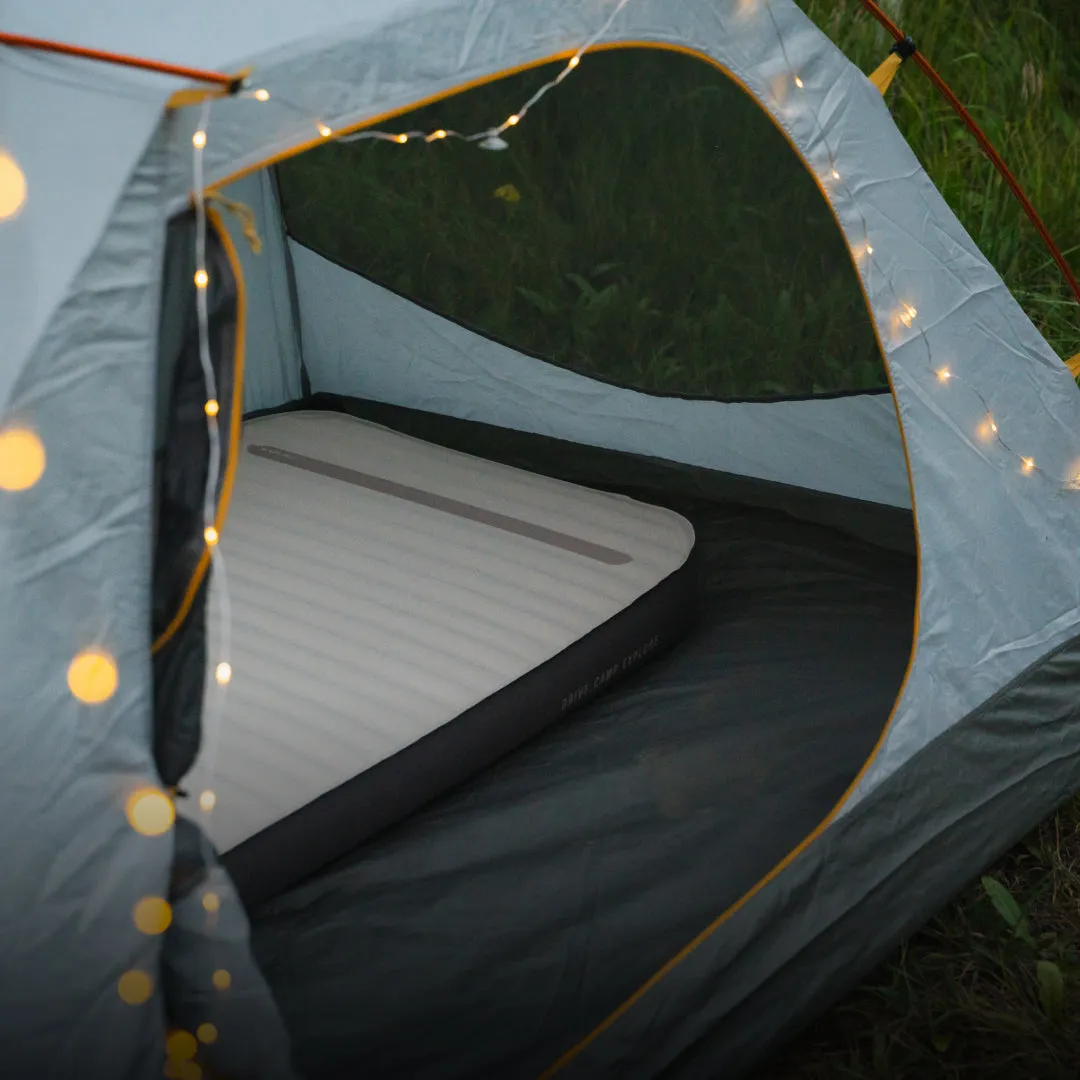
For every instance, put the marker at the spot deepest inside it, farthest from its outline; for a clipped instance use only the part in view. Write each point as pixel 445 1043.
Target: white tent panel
pixel 271 342
pixel 57 119
pixel 366 341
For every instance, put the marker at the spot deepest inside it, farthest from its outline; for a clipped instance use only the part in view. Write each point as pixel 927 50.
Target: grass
pixel 663 240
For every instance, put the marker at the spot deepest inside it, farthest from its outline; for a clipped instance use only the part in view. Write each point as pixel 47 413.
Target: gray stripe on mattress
pixel 551 537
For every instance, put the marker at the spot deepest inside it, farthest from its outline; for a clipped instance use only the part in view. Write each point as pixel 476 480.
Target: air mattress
pixel 401 616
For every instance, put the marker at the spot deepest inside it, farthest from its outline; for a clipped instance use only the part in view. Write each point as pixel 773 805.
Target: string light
pixel 152 915
pixel 92 677
pixel 198 140
pixel 181 1046
pixel 135 987
pixel 221 979
pixel 206 1033
pixel 906 313
pixel 150 812
pixel 491 138
pixel 212 407
pixel 262 95
pixel 202 279
pixel 22 459
pixel 12 186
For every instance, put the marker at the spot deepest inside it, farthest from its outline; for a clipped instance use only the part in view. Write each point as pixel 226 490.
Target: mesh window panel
pixel 648 226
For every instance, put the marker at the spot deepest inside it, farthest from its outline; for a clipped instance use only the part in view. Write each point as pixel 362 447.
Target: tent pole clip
pixel 905 48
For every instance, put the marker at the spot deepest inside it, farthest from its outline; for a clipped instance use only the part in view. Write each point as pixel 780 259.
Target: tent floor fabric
pixel 490 932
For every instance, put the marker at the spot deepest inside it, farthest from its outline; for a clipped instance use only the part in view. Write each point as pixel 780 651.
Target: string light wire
pixel 491 138
pixel 214 707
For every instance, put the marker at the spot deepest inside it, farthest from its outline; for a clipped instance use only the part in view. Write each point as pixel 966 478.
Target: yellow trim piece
pixel 236 417
pixel 885 72
pixel 1074 365
pixel 196 95
pixel 683 953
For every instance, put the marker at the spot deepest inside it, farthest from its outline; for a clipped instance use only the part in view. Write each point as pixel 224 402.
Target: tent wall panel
pixel 363 340
pixel 272 342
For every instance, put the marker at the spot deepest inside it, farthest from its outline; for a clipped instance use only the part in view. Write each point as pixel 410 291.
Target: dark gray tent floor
pixel 484 936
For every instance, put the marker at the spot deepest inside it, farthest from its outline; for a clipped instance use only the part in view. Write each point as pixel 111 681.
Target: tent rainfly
pixel 284 791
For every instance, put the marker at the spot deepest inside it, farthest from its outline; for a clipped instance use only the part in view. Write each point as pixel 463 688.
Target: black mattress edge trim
pixel 341 820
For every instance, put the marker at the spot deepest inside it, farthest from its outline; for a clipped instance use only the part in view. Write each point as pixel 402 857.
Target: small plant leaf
pixel 1004 902
pixel 1051 988
pixel 539 301
pixel 587 288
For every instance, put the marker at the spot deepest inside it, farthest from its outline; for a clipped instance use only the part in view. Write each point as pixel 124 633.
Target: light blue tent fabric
pixel 80 268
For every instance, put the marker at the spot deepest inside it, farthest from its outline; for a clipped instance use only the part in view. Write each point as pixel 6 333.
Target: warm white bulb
pixel 993 427
pixel 512 120
pixel 1029 464
pixel 198 140
pixel 798 82
pixel 574 61
pixel 869 250
pixel 262 95
pixel 223 673
pixel 202 279
pixel 944 374
pixel 210 535
pixel 12 186
pixel 401 139
pixel 324 131
pixel 207 800
pixel 440 134
pixel 212 408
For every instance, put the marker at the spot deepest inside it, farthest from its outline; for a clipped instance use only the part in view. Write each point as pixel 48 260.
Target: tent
pixel 878 694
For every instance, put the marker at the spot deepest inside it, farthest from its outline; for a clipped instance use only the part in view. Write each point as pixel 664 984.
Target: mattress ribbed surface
pixel 379 587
